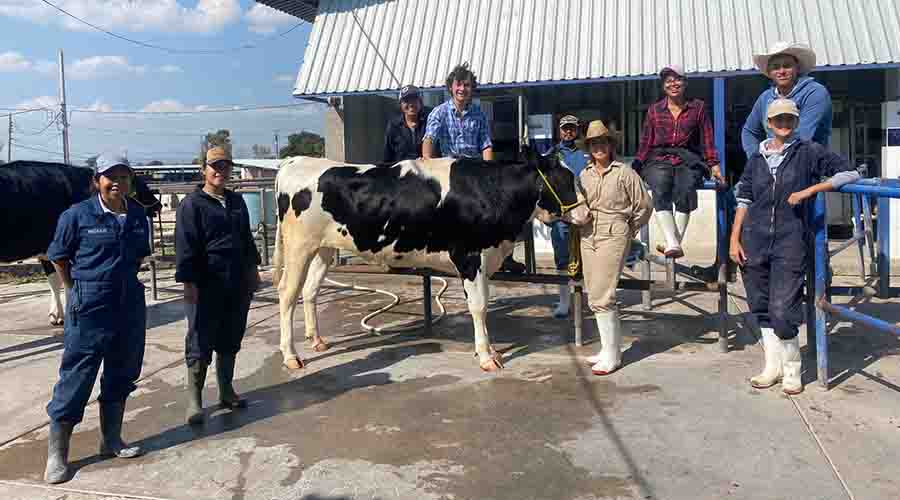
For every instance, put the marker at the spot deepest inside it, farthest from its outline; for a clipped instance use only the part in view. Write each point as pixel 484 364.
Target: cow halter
pixel 564 209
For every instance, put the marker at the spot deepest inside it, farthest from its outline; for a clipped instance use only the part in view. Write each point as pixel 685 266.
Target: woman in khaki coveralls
pixel 619 206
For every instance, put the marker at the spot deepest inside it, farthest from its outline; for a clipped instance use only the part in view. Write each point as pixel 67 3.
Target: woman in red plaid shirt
pixel 677 151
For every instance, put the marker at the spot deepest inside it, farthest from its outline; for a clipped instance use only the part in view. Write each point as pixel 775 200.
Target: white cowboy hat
pixel 806 58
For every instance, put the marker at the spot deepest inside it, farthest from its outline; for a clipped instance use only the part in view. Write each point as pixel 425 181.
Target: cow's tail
pixel 279 250
pixel 276 269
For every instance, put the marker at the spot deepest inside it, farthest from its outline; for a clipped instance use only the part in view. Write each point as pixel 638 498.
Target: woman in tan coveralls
pixel 619 205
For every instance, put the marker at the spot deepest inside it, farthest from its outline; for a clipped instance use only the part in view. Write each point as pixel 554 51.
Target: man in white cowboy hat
pixel 787 65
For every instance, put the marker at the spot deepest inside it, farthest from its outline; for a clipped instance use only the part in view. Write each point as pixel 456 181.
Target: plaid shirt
pixel 692 130
pixel 458 135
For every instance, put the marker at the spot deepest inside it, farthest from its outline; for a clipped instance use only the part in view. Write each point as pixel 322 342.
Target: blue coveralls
pixel 775 234
pixel 575 160
pixel 215 250
pixel 106 311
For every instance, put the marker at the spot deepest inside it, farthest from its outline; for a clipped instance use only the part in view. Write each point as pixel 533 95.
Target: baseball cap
pixel 782 107
pixel 672 69
pixel 106 161
pixel 568 120
pixel 408 91
pixel 217 153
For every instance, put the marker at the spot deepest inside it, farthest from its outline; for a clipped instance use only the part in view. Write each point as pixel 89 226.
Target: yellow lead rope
pixel 563 207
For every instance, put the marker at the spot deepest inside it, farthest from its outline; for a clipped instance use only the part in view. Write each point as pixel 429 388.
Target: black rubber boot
pixel 57 470
pixel 111 444
pixel 195 382
pixel 225 375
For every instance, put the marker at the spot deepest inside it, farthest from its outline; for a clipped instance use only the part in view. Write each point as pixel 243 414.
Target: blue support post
pixel 721 217
pixel 884 247
pixel 820 230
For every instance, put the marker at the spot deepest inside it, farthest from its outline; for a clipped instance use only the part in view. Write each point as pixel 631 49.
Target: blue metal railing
pixel 818 288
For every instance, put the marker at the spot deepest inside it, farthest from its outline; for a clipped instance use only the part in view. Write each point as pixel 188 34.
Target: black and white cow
pixel 32 197
pixel 457 216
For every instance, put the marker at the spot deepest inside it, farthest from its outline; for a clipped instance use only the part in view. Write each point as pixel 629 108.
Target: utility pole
pixel 62 108
pixel 9 141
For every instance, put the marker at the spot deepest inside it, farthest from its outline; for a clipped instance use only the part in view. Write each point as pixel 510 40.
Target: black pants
pixel 216 323
pixel 775 291
pixel 673 185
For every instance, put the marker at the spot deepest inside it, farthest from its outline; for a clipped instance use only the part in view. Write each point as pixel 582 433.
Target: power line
pixel 52 122
pixel 40 150
pixel 233 109
pixel 170 49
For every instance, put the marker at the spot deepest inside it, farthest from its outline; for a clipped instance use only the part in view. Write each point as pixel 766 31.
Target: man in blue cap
pixel 404 133
pixel 98 249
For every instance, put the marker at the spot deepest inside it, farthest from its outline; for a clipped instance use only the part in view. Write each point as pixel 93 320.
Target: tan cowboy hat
pixel 597 130
pixel 806 58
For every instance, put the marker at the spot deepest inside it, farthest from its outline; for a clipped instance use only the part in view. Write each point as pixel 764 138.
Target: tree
pixel 261 151
pixel 155 163
pixel 304 144
pixel 222 138
pixel 92 161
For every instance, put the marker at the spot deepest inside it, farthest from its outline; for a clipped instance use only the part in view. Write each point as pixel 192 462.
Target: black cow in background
pixel 33 195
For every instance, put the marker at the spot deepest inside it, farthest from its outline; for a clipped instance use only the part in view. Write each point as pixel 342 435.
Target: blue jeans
pixel 559 237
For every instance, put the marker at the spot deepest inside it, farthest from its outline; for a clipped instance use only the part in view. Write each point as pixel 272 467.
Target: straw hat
pixel 806 58
pixel 597 130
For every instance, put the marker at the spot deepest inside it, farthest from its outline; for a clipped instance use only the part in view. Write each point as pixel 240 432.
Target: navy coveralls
pixel 775 234
pixel 215 250
pixel 106 311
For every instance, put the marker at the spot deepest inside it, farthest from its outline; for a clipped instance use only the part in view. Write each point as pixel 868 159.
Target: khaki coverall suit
pixel 619 205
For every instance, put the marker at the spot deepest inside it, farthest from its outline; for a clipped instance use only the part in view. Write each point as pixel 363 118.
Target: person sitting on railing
pixel 619 205
pixel 771 247
pixel 677 151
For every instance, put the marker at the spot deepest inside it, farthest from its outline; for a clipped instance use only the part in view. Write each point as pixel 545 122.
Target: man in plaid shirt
pixel 676 152
pixel 458 126
pixel 459 129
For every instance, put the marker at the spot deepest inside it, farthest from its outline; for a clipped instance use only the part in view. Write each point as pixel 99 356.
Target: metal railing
pixel 819 290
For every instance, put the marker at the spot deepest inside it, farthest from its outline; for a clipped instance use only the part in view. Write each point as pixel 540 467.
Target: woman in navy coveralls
pixel 770 234
pixel 97 250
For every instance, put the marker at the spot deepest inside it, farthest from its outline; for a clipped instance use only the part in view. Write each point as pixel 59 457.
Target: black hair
pixel 461 73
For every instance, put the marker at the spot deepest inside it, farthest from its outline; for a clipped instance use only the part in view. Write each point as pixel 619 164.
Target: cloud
pixel 170 68
pixel 286 78
pixel 98 105
pixel 92 68
pixel 165 106
pixel 14 62
pixel 265 20
pixel 45 101
pixel 207 16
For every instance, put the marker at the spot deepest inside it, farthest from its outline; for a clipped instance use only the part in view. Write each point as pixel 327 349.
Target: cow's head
pixel 145 197
pixel 558 199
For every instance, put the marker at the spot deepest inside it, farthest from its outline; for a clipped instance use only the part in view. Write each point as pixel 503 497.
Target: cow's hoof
pixel 294 363
pixel 494 364
pixel 320 346
pixel 55 320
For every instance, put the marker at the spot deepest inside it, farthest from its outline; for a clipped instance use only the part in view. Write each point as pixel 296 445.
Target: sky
pixel 106 76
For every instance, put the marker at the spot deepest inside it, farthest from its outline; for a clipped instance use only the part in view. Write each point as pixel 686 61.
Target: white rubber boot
pixel 610 357
pixel 682 219
pixel 562 308
pixel 772 373
pixel 667 224
pixel 791 383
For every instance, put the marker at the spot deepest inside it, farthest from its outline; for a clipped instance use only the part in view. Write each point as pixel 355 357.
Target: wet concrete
pixel 410 416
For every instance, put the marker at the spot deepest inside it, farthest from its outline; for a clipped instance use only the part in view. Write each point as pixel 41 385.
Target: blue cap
pixel 107 161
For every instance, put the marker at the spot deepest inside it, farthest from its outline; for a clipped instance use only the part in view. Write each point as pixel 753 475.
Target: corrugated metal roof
pixel 526 41
pixel 304 9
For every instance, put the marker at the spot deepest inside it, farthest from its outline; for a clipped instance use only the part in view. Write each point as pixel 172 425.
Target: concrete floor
pixel 409 416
